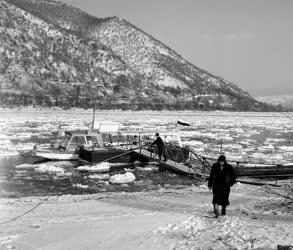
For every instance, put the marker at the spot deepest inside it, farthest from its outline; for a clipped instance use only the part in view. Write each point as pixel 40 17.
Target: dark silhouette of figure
pixel 222 177
pixel 161 147
pixel 135 140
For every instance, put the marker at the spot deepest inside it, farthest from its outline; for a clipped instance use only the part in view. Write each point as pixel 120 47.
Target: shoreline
pixel 164 219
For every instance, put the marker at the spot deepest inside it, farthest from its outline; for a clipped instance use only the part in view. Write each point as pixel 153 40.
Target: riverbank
pixel 161 219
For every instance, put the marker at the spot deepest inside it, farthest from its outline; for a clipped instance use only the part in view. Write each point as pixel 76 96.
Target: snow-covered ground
pixel 162 219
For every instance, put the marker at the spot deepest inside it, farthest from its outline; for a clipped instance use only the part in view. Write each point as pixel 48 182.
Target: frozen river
pixel 245 136
pixel 252 137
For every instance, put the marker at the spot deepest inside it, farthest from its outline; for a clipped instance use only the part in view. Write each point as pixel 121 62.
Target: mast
pixel 99 93
pixel 94 114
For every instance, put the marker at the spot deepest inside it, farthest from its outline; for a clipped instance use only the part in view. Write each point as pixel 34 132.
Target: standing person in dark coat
pixel 135 140
pixel 161 147
pixel 222 177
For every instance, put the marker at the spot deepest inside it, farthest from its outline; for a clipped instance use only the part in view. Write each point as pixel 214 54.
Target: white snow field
pixel 163 219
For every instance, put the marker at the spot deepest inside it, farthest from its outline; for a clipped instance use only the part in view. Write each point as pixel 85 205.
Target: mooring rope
pixel 25 213
pixel 125 153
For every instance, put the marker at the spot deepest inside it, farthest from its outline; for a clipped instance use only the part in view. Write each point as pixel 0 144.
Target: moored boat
pixel 69 147
pixel 85 145
pixel 55 154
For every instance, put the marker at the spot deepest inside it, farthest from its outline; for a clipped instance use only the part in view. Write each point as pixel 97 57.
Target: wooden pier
pixel 200 166
pixel 187 161
pixel 170 164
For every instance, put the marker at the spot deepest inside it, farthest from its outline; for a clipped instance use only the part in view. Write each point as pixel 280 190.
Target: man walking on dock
pixel 222 177
pixel 161 147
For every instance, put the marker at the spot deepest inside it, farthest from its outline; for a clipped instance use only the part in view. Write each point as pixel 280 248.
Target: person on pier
pixel 161 147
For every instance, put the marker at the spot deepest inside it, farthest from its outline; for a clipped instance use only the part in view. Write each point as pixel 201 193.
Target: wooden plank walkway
pixel 180 167
pixel 241 171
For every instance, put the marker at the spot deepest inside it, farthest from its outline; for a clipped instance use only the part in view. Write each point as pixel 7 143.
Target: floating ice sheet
pixel 122 178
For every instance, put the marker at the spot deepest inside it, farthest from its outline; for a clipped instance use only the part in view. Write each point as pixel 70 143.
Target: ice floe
pixel 101 167
pixel 78 185
pixel 122 178
pixel 99 176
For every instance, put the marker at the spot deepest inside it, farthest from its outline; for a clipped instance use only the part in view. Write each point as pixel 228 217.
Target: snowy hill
pixel 284 100
pixel 46 46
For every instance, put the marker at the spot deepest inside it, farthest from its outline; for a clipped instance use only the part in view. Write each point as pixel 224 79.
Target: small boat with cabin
pixel 90 146
pixel 69 147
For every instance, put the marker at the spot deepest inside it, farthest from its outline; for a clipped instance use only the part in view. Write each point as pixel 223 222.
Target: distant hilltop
pixel 286 101
pixel 53 54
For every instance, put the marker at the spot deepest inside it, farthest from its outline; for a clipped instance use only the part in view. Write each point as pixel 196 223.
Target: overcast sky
pixel 249 42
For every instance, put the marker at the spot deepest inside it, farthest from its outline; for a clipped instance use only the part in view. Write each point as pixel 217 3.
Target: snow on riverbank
pixel 228 232
pixel 163 219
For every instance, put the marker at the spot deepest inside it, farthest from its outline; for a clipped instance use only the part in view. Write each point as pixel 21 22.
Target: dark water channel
pixel 20 178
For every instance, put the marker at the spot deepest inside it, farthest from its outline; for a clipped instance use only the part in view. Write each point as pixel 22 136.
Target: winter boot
pixel 223 210
pixel 216 210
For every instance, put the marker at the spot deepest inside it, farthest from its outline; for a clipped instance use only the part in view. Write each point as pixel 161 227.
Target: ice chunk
pixel 101 167
pixel 122 178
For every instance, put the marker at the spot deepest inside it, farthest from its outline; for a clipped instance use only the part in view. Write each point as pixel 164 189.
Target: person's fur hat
pixel 222 158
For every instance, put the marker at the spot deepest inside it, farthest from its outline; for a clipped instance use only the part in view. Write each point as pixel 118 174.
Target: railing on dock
pixel 186 160
pixel 179 159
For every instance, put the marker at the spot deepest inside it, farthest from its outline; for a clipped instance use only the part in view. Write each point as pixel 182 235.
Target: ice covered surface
pixel 262 221
pixel 145 169
pixel 122 178
pixel 286 148
pixel 26 166
pixel 163 219
pixel 45 168
pixel 226 233
pixel 5 152
pixel 51 167
pixel 99 176
pixel 256 137
pixel 78 185
pixel 101 167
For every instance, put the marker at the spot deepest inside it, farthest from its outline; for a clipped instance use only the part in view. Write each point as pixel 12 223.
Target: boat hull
pixel 57 155
pixel 100 155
